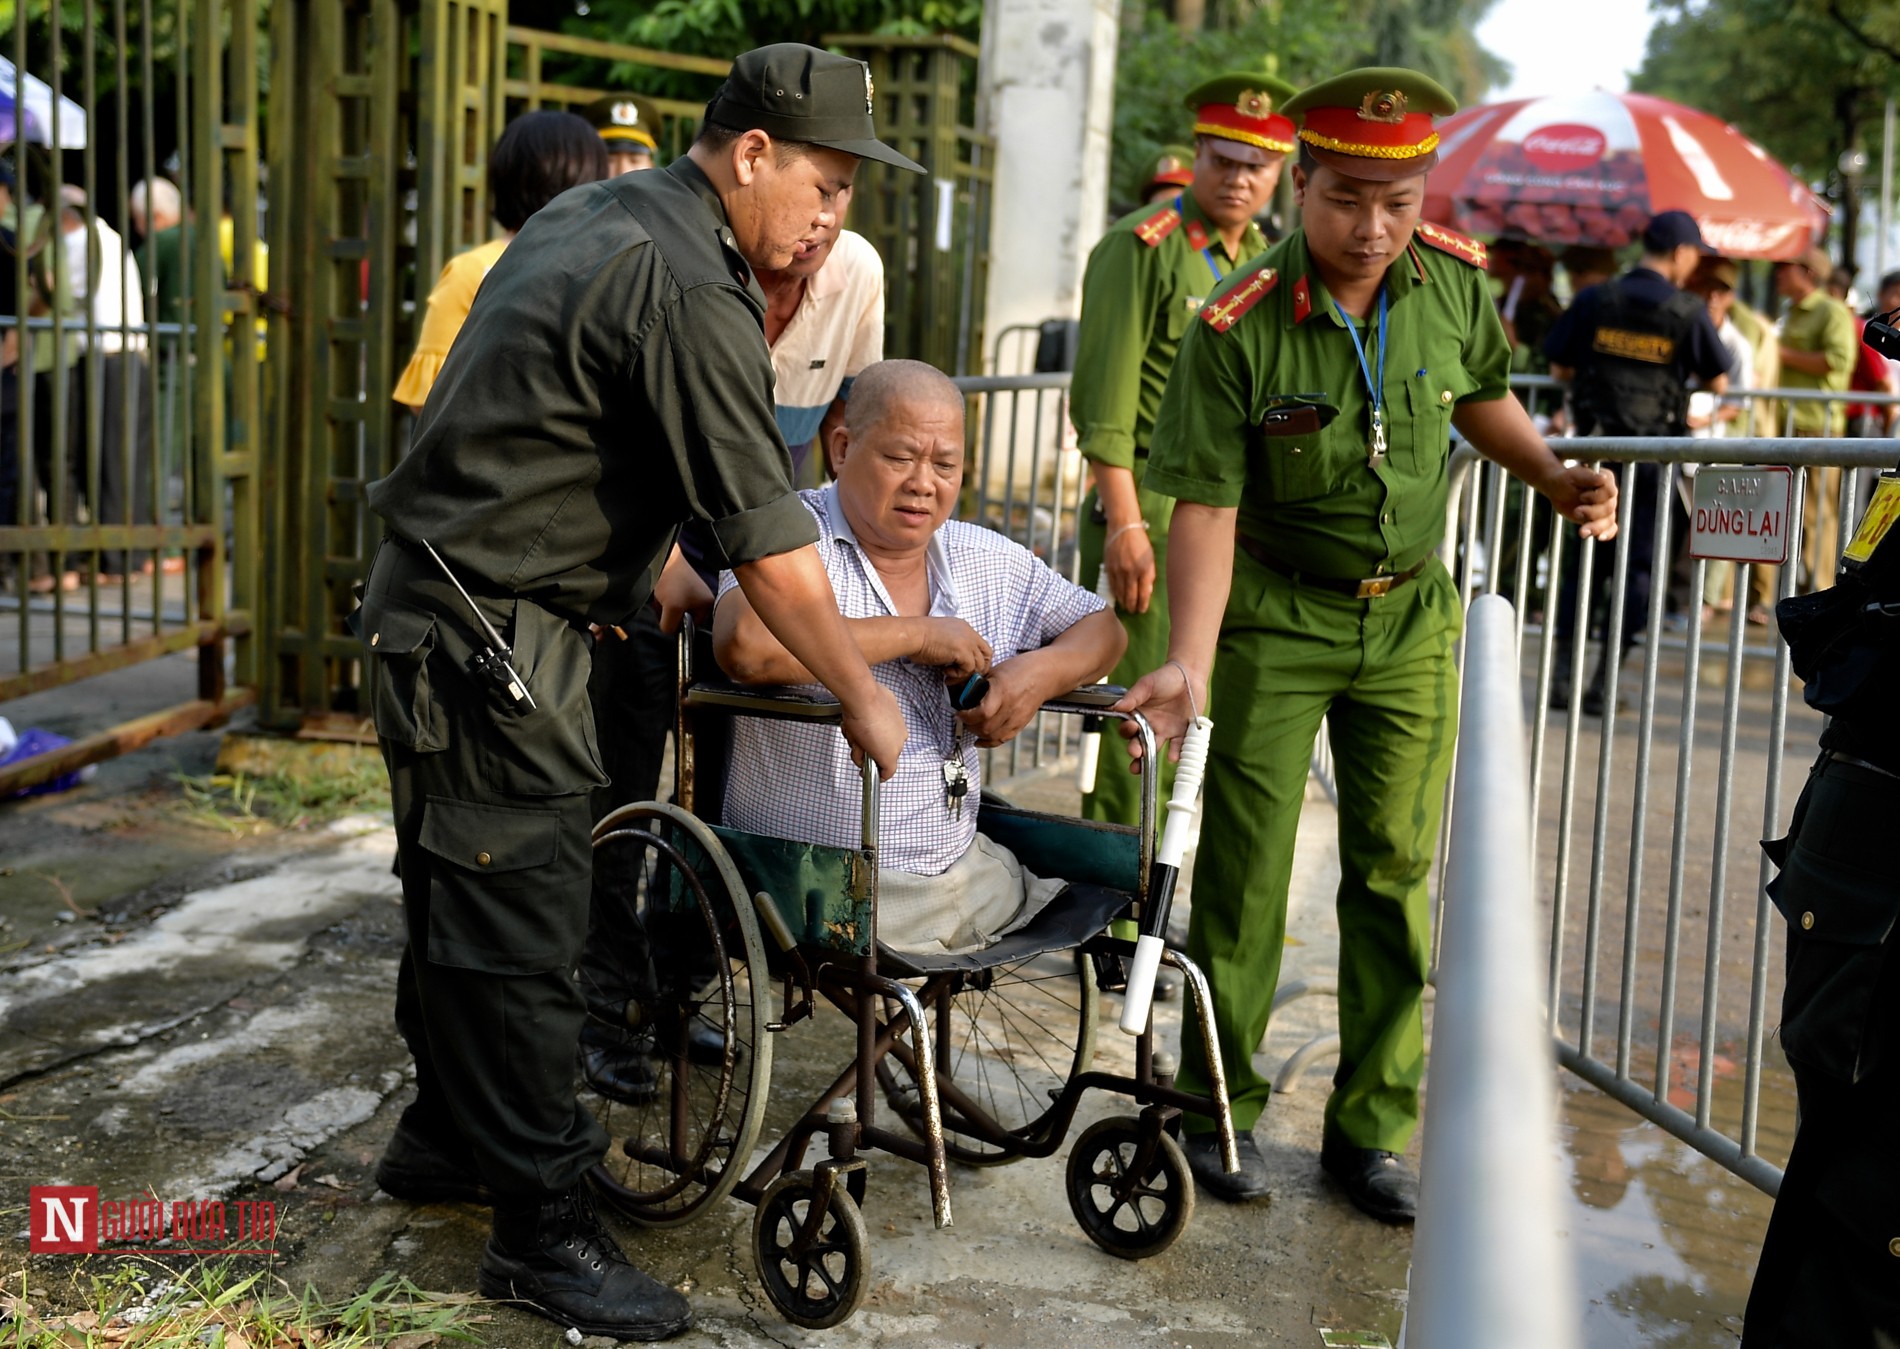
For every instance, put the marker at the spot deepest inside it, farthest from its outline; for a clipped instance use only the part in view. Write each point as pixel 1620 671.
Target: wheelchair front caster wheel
pixel 1130 1209
pixel 815 1272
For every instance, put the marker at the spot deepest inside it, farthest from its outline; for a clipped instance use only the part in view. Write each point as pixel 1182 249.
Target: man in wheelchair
pixel 930 601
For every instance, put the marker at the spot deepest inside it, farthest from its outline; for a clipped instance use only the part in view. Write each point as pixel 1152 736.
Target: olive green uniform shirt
pixel 1820 323
pixel 611 382
pixel 1137 301
pixel 1311 499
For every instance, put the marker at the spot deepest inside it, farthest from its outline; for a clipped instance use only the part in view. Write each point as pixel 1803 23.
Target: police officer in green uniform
pixel 1145 280
pixel 629 126
pixel 1305 435
pixel 612 381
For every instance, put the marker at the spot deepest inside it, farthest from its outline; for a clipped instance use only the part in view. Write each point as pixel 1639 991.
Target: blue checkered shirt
pixel 798 782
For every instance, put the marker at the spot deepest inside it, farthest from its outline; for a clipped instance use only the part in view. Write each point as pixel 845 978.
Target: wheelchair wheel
pixel 678 993
pixel 1008 1039
pixel 815 1280
pixel 1129 1215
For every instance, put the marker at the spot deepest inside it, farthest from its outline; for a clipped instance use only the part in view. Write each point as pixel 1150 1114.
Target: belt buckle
pixel 1374 586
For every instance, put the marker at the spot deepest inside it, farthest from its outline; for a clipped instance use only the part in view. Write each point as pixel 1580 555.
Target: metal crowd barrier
pixel 1489 1268
pixel 1662 813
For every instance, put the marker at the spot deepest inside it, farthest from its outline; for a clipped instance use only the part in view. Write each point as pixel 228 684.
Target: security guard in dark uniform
pixel 612 381
pixel 1146 278
pixel 1305 435
pixel 1629 349
pixel 629 126
pixel 1830 1263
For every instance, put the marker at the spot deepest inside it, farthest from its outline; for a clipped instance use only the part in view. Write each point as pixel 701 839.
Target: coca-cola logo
pixel 1563 148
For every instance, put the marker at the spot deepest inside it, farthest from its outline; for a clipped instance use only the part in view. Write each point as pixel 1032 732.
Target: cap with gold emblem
pixel 792 92
pixel 1173 167
pixel 1246 107
pixel 1374 123
pixel 627 123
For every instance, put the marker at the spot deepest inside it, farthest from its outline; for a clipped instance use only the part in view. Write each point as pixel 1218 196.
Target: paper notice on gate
pixel 1741 514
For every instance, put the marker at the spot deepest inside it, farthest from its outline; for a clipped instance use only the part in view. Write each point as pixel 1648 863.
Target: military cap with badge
pixel 1374 123
pixel 1247 109
pixel 629 126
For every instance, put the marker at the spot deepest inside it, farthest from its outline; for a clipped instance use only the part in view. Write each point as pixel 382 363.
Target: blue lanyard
pixel 1376 392
pixel 1208 252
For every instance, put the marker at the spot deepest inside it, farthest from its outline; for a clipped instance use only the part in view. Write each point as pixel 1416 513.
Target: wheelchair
pixel 720 941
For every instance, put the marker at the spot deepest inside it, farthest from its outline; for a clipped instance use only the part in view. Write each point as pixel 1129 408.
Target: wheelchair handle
pixel 1182 806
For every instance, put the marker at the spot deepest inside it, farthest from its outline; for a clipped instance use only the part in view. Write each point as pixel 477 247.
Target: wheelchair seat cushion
pixel 1081 911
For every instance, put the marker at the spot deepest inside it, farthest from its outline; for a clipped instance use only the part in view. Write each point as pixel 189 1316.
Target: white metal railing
pixel 1489 1269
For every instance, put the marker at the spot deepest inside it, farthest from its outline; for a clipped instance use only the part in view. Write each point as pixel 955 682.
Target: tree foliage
pixel 1792 74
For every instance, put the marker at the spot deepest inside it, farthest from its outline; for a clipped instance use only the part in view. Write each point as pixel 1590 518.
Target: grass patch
pixel 256 803
pixel 154 1306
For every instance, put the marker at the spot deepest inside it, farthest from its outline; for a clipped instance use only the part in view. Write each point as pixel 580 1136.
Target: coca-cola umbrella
pixel 1592 169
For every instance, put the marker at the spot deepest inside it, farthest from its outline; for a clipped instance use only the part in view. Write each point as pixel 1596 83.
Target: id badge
pixel 1883 508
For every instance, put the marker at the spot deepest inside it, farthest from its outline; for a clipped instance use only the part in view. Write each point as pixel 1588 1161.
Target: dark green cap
pixel 792 92
pixel 626 122
pixel 1375 122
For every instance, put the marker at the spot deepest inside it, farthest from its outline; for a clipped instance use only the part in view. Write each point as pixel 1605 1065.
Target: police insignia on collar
pixel 1383 105
pixel 1158 226
pixel 1452 242
pixel 1220 317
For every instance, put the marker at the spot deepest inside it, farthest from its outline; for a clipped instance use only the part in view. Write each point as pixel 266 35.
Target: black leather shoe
pixel 429 1170
pixel 619 1069
pixel 1378 1183
pixel 556 1260
pixel 1245 1185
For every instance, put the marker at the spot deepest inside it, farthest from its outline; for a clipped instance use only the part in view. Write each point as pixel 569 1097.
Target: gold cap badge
pixel 1383 105
pixel 1254 103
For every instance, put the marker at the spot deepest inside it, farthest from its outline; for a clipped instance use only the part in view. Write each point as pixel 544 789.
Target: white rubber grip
pixel 1141 984
pixel 1182 804
pixel 1185 800
pixel 1091 760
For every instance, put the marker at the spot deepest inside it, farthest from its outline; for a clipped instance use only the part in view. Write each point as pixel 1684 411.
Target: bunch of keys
pixel 956 785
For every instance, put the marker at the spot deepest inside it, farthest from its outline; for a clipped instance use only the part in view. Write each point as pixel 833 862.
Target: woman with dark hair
pixel 540 155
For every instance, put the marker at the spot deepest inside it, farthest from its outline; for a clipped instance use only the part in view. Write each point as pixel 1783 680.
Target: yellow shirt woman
pixel 449 304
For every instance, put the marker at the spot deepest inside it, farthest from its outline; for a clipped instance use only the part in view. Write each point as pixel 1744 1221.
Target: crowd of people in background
pixel 94 395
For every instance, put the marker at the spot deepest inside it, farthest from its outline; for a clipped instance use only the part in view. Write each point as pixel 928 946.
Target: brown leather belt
pixel 1369 588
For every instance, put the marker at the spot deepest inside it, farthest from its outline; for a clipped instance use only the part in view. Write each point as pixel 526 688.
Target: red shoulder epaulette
pixel 1220 317
pixel 1452 242
pixel 1158 226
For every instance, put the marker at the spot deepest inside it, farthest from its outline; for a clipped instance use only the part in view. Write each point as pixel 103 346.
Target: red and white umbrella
pixel 1593 168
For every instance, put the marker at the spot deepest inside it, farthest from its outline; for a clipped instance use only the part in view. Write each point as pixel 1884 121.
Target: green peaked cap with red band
pixel 1247 106
pixel 1376 122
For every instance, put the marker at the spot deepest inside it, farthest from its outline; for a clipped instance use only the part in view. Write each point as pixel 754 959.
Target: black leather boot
pixel 426 1167
pixel 555 1259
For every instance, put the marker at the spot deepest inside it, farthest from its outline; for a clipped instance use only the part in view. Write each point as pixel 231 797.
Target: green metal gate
pixel 270 394
pixel 130 453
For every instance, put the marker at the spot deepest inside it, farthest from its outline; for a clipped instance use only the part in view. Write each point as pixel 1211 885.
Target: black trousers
pixel 1830 1263
pixel 1642 484
pixel 493 822
pixel 123 417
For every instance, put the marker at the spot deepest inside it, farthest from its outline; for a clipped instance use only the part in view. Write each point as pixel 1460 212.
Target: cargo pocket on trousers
pixel 551 751
pixel 1839 918
pixel 495 904
pixel 400 639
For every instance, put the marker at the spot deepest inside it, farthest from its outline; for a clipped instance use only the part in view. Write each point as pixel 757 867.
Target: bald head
pixel 899 458
pixel 885 387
